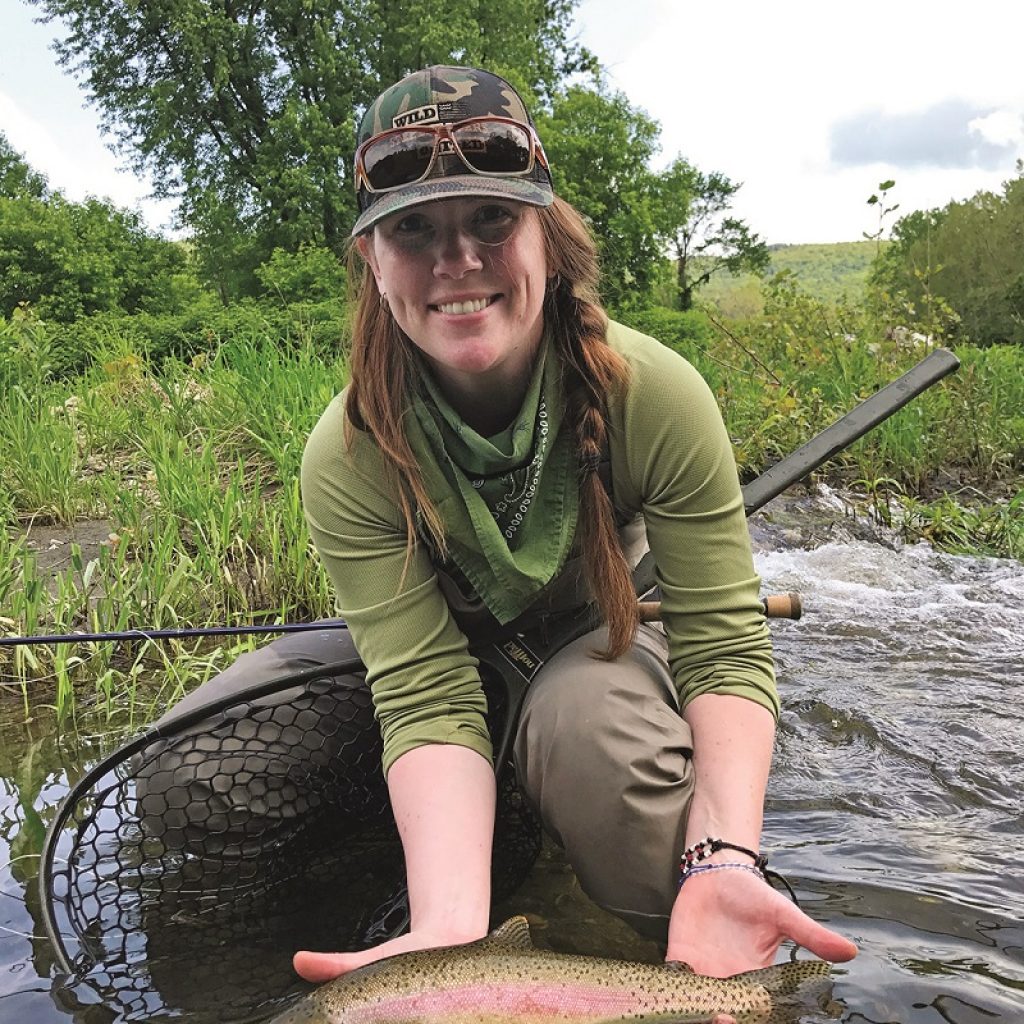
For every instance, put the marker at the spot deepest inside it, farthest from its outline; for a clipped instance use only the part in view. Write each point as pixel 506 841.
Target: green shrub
pixel 687 333
pixel 69 260
pixel 203 327
pixel 311 274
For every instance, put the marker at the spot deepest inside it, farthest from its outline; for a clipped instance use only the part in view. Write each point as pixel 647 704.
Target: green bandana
pixel 508 502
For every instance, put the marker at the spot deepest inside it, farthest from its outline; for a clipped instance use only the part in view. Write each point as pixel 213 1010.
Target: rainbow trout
pixel 504 977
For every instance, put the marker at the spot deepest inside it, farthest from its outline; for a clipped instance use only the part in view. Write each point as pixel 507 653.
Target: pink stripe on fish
pixel 560 1002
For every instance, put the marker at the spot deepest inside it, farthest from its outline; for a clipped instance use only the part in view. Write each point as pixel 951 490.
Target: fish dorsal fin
pixel 513 934
pixel 679 966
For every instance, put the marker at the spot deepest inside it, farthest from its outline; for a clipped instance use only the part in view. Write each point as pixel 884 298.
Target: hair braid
pixel 593 372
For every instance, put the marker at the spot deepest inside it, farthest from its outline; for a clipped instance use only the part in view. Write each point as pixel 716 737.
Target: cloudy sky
pixel 809 103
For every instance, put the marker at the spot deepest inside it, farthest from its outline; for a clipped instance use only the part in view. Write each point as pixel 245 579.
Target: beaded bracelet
pixel 690 863
pixel 706 847
pixel 725 866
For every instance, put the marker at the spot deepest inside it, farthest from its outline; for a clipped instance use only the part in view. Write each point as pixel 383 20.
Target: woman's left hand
pixel 726 922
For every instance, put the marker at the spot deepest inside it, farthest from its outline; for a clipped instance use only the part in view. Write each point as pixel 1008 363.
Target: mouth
pixel 465 307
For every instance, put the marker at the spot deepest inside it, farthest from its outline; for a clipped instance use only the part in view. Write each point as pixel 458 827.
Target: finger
pixel 816 938
pixel 320 967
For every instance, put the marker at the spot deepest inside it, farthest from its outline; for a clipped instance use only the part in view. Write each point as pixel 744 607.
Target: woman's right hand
pixel 443 797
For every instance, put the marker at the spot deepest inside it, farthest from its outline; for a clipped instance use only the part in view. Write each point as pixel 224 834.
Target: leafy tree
pixel 17 178
pixel 68 259
pixel 906 268
pixel 245 111
pixel 693 222
pixel 600 148
pixel 960 269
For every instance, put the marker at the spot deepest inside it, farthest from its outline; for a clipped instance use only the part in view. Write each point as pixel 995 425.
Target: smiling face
pixel 465 281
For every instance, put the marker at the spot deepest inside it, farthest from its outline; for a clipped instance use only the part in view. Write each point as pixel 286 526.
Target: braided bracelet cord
pixel 693 855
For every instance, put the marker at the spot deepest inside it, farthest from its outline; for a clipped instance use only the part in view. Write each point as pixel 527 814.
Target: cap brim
pixel 520 190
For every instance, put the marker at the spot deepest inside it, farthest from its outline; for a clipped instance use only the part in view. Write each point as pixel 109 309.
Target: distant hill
pixel 828 272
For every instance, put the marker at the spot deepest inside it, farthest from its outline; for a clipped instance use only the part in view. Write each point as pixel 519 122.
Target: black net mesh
pixel 187 869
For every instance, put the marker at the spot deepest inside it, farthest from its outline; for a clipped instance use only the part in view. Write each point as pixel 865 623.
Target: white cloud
pixel 949 134
pixel 76 162
pixel 1001 128
pixel 755 90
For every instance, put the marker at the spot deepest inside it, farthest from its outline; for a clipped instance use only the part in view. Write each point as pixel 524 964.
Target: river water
pixel 894 808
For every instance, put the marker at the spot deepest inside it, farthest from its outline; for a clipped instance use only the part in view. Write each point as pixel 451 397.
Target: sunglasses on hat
pixel 498 147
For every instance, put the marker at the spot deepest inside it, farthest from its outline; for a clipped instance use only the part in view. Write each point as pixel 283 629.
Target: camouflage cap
pixel 439 95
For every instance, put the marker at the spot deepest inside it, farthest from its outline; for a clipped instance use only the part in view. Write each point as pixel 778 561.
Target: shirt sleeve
pixel 672 459
pixel 425 684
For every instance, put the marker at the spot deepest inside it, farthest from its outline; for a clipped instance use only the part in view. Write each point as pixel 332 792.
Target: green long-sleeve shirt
pixel 671 462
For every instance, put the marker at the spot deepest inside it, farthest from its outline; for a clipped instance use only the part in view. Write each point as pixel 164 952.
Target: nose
pixel 457 253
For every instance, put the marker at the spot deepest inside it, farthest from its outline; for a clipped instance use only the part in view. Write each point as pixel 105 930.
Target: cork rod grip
pixel 776 606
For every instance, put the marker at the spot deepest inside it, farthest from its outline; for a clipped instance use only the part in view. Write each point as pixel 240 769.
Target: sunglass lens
pixel 397 160
pixel 495 148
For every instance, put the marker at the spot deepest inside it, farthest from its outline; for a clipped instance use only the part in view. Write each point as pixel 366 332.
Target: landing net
pixel 183 871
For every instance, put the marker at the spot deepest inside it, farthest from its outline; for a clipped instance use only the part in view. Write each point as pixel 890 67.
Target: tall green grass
pixel 194 467
pixel 786 375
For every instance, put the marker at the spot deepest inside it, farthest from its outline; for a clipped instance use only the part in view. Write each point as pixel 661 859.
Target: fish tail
pixel 786 979
pixel 787 985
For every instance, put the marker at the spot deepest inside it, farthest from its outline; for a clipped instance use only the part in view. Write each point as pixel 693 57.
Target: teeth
pixel 473 306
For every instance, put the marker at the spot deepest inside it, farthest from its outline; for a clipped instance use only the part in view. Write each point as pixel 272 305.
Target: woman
pixel 461 484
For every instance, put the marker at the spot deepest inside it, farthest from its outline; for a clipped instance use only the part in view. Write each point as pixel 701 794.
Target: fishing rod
pixel 756 494
pixel 774 606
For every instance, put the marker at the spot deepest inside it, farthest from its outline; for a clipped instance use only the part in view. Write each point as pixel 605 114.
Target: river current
pixel 894 808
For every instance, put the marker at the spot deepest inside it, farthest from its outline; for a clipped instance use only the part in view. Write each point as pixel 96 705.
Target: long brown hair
pixel 381 379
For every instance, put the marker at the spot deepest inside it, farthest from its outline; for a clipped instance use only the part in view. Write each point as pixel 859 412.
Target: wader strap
pixel 517 658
